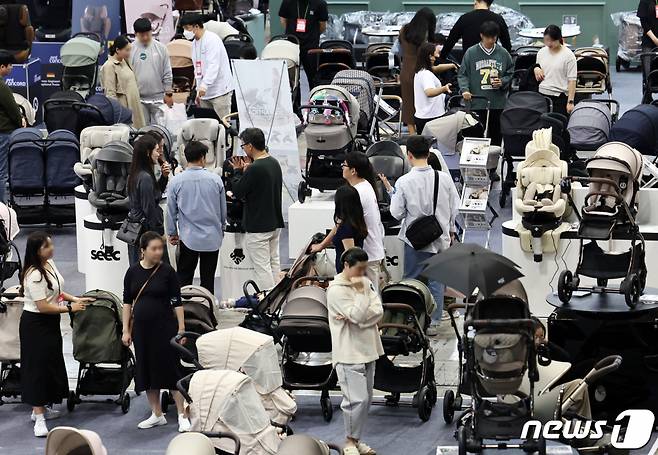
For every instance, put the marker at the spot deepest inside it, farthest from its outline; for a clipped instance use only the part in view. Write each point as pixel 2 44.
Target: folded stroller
pixel 97 342
pixel 249 352
pixel 222 401
pixel 286 48
pixel 332 118
pixel 590 123
pixel 80 60
pixel 593 72
pixel 388 159
pixel 522 115
pixel 109 191
pixel 408 307
pixel 11 308
pixel 609 211
pixel 498 345
pixel 539 198
pixel 638 128
pixel 208 131
pixel 362 86
pixel 17 31
pixel 182 68
pixel 332 56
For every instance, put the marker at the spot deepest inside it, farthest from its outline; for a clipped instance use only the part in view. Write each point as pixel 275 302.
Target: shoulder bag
pixel 139 294
pixel 426 229
pixel 130 231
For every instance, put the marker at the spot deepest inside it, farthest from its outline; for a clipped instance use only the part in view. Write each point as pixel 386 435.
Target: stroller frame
pixel 649 89
pixel 634 282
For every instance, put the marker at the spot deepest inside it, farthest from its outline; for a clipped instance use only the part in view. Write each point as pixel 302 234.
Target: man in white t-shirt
pixel 212 69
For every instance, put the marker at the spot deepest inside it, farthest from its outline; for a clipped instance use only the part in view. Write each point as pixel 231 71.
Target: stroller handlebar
pixel 185 353
pixel 500 323
pixel 604 367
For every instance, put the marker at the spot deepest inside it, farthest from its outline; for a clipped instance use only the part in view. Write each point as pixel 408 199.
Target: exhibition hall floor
pixel 392 431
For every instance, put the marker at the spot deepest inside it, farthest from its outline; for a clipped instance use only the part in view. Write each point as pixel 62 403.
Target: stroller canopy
pixel 589 125
pixel 180 53
pixel 97 331
pixel 108 112
pixel 282 50
pixel 10 345
pixel 410 292
pixel 522 113
pixel 68 440
pixel 362 86
pixel 199 304
pixel 619 158
pixel 638 128
pixel 335 96
pixel 80 51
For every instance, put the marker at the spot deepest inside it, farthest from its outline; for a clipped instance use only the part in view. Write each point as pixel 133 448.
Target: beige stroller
pixel 71 441
pixel 199 444
pixel 182 68
pixel 222 401
pixel 11 307
pixel 281 48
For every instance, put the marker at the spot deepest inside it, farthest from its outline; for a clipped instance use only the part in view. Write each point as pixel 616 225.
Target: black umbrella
pixel 467 266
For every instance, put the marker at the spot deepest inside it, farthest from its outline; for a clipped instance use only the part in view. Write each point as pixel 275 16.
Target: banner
pixel 102 17
pixel 157 11
pixel 264 101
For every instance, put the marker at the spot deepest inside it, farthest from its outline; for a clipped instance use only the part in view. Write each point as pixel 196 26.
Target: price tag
pixel 301 25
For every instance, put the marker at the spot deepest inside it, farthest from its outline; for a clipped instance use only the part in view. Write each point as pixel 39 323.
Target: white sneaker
pixel 40 428
pixel 153 421
pixel 183 424
pixel 433 329
pixel 49 415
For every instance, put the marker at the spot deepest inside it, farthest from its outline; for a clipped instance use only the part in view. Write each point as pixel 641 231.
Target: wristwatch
pixel 68 307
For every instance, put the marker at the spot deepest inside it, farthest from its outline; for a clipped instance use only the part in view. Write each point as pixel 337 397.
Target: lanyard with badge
pixel 60 297
pixel 300 26
pixel 198 71
pixel 656 9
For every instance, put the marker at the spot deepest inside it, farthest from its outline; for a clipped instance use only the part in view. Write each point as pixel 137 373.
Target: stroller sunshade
pixel 80 51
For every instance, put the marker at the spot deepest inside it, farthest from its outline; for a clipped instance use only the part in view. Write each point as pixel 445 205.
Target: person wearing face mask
pixel 212 69
pixel 118 79
pixel 150 60
pixel 557 71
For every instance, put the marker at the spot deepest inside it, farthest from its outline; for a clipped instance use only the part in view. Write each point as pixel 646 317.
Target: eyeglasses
pixel 344 165
pixel 242 146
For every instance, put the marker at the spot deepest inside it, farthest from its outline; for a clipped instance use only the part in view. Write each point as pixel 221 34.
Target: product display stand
pixel 235 264
pixel 82 209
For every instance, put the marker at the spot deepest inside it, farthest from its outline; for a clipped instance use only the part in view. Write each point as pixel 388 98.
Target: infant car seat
pixel 210 133
pixel 92 140
pixel 539 198
pixel 16 32
pixel 109 192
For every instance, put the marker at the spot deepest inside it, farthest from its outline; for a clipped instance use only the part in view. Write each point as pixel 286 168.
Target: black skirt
pixel 157 363
pixel 43 371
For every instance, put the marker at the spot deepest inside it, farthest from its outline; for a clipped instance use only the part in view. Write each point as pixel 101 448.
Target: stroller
pixel 590 123
pixel 69 111
pixel 182 69
pixel 522 115
pixel 199 444
pixel 384 66
pixel 387 158
pixel 240 46
pixel 408 306
pixel 80 60
pixel 109 191
pixel 381 63
pixel 362 86
pixel 650 82
pixel 525 58
pixel 610 209
pixel 97 342
pixel 71 441
pixel 246 351
pixel 332 119
pixel 593 77
pixel 286 48
pixel 638 128
pixel 211 133
pixel 498 348
pixel 629 44
pixel 332 56
pixel 223 401
pixel 11 307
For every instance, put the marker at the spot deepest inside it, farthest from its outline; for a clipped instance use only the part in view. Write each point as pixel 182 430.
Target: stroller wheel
pixel 631 289
pixel 164 401
pixel 125 403
pixel 71 401
pixel 424 404
pixel 564 289
pixel 449 406
pixel 302 191
pixel 327 409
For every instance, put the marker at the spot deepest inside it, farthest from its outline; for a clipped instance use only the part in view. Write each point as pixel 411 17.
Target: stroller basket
pixel 597 263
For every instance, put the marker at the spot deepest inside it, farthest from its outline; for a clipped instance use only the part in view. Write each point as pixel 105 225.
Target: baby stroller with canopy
pixel 109 191
pixel 246 351
pixel 609 211
pixel 650 82
pixel 79 57
pixel 68 110
pixel 72 441
pixel 638 128
pixel 102 110
pixel 223 401
pixel 286 48
pixel 593 77
pixel 408 307
pixel 11 308
pixel 388 159
pixel 590 123
pixel 498 348
pixel 182 69
pixel 97 342
pixel 240 46
pixel 362 86
pixel 522 115
pixel 381 62
pixel 332 119
pixel 332 56
pixel 17 31
pixel 525 58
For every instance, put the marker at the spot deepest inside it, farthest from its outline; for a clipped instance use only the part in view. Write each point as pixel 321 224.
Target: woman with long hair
pixel 43 373
pixel 144 191
pixel 556 71
pixel 429 93
pixel 119 81
pixel 152 316
pixel 350 228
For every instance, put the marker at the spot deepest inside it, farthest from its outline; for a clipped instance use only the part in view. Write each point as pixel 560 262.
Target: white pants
pixel 220 104
pixel 373 273
pixel 263 249
pixel 153 115
pixel 356 382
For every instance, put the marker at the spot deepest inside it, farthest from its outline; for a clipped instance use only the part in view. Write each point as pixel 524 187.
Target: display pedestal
pixel 394 255
pixel 107 257
pixel 235 265
pixel 82 209
pixel 307 219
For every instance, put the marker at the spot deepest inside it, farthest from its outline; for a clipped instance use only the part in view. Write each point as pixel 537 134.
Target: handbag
pixel 139 294
pixel 426 229
pixel 130 231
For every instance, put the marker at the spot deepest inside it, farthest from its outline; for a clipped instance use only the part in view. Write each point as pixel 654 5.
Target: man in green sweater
pixel 10 119
pixel 486 71
pixel 259 182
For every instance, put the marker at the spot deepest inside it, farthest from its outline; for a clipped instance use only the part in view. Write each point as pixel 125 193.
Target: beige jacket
pixel 355 339
pixel 119 81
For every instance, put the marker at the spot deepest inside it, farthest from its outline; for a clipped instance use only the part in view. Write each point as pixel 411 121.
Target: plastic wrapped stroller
pixel 182 69
pixel 638 128
pixel 332 56
pixel 72 441
pixel 208 131
pixel 80 60
pixel 590 123
pixel 408 307
pixel 11 308
pixel 630 39
pixel 525 58
pixel 107 367
pixel 222 401
pixel 109 191
pixel 498 347
pixel 387 158
pixel 609 210
pixel 18 32
pixel 362 86
pixel 286 48
pixel 332 118
pixel 593 72
pixel 51 19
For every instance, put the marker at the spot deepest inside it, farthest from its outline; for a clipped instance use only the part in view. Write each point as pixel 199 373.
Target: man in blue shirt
pixel 196 216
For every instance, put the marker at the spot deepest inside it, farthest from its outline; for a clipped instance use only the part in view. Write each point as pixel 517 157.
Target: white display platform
pixel 103 270
pixel 541 277
pixel 235 265
pixel 82 209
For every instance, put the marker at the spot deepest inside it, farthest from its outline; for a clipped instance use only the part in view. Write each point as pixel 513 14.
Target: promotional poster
pixel 101 17
pixel 159 12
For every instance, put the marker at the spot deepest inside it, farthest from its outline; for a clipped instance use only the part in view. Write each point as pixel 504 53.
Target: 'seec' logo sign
pixel 100 255
pixel 637 435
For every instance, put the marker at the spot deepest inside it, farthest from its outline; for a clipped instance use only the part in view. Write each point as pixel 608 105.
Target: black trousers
pixel 421 122
pixel 494 124
pixel 187 262
pixel 560 104
pixel 310 64
pixel 646 69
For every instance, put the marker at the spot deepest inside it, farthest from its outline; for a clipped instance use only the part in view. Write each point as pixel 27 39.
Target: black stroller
pixel 68 110
pixel 650 82
pixel 609 211
pixel 387 158
pixel 332 56
pixel 525 59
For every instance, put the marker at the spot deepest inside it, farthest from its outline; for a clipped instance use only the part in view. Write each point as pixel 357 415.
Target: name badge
pixel 301 24
pixel 60 299
pixel 197 67
pixel 657 11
